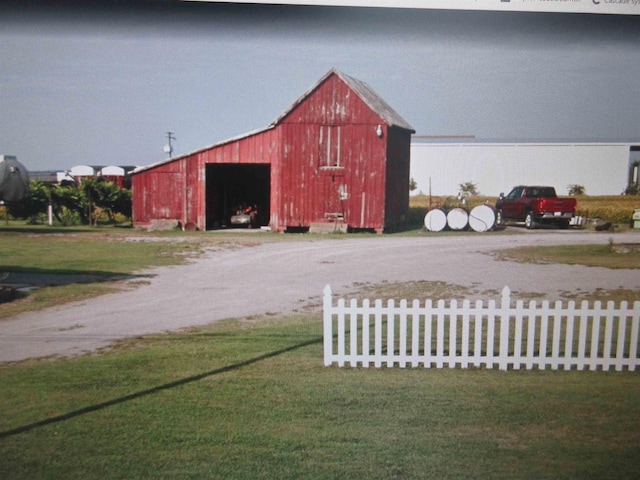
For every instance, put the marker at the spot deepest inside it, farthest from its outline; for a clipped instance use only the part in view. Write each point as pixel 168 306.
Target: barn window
pixel 329 146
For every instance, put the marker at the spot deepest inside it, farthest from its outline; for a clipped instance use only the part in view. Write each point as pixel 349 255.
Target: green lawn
pixel 252 400
pixel 105 253
pixel 590 255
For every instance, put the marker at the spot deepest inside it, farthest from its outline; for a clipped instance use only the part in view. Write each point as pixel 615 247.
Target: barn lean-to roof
pixel 366 94
pixel 203 149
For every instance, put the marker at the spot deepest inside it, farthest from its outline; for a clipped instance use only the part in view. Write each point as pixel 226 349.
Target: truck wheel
pixel 529 221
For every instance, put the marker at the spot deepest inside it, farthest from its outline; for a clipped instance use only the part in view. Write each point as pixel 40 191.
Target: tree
pixel 412 185
pixel 105 197
pixel 108 197
pixel 69 204
pixel 575 189
pixel 34 205
pixel 468 189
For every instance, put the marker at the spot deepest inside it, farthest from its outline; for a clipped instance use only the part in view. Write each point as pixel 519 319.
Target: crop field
pixel 616 209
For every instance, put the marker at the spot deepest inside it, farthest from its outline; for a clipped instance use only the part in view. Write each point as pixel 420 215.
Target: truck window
pixel 545 192
pixel 515 193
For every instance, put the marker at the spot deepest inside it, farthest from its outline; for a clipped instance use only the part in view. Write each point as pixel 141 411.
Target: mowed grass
pixel 107 255
pixel 251 399
pixel 590 255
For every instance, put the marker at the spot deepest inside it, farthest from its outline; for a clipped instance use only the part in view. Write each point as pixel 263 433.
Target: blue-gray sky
pixel 100 85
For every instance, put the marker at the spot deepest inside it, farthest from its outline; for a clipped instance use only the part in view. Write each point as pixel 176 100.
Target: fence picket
pixel 341 332
pixel 402 347
pixel 477 340
pixel 440 334
pixel 568 342
pixel 551 336
pixel 415 333
pixel 555 339
pixel 464 351
pixel 517 341
pixel 608 332
pixel 327 305
pixel 595 335
pixel 366 328
pixel 531 335
pixel 491 327
pixel 582 342
pixel 353 332
pixel 622 330
pixel 378 333
pixel 503 352
pixel 453 333
pixel 428 322
pixel 391 332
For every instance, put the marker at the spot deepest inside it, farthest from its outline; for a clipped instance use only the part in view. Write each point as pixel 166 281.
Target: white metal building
pixel 602 168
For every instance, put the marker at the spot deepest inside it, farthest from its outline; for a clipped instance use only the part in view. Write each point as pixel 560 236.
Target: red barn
pixel 338 158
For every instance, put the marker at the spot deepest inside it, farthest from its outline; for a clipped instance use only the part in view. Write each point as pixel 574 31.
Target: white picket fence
pixel 465 334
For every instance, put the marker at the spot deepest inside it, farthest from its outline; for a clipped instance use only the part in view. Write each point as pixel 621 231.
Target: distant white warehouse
pixel 601 168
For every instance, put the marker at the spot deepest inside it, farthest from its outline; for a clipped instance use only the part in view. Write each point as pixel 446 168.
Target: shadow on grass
pixel 39 277
pixel 151 391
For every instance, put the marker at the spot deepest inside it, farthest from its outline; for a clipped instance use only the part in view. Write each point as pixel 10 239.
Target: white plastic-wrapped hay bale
pixel 482 218
pixel 435 220
pixel 457 219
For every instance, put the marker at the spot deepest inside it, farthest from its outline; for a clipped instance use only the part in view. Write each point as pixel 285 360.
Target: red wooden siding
pixel 176 189
pixel 333 103
pixel 331 147
pixel 325 159
pixel 149 204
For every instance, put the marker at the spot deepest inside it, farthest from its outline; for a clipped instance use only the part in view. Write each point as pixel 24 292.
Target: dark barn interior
pixel 232 186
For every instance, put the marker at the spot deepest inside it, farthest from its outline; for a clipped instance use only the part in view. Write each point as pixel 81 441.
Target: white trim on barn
pixel 602 168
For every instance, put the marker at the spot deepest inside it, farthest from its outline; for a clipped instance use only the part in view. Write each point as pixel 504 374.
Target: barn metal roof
pixel 364 91
pixel 203 149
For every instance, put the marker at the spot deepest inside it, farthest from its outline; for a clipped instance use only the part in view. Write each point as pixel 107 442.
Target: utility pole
pixel 168 148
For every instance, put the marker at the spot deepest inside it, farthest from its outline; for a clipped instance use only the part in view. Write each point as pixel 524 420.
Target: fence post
pixel 327 305
pixel 505 315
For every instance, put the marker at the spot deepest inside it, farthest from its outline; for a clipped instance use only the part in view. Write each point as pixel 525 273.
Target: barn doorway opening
pixel 231 188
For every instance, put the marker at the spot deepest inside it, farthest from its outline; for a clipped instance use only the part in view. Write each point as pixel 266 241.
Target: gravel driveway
pixel 282 277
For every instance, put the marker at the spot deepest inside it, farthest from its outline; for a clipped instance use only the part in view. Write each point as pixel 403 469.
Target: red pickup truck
pixel 535 206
